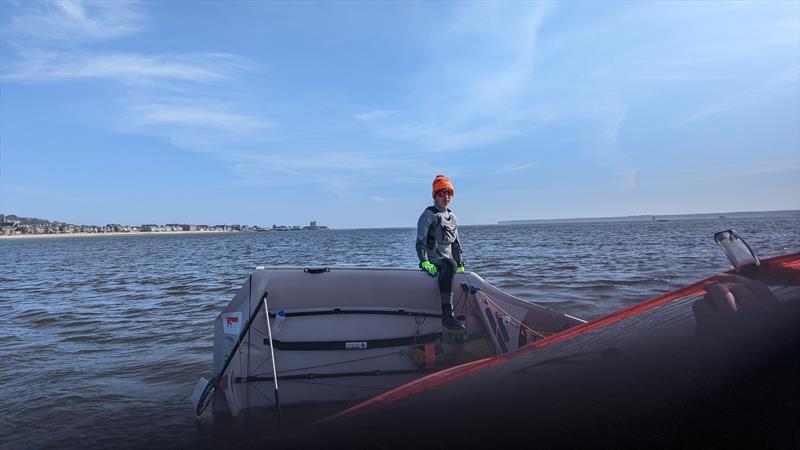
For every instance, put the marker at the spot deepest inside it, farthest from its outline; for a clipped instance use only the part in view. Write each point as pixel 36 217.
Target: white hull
pixel 350 334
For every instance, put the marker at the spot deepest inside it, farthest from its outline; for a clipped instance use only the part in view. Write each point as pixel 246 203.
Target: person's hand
pixel 428 267
pixel 460 269
pixel 738 294
pixel 732 300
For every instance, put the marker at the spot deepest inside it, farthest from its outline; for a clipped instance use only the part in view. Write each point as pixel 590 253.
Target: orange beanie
pixel 442 182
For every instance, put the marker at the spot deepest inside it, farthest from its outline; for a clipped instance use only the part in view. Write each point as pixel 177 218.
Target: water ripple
pixel 87 331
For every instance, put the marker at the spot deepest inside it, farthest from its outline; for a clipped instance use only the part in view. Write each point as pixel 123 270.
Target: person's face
pixel 442 198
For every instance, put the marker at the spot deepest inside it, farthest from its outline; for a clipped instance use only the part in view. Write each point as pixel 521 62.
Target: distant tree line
pixel 27 220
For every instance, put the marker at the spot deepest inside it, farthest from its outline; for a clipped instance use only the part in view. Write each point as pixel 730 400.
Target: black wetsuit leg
pixel 447 268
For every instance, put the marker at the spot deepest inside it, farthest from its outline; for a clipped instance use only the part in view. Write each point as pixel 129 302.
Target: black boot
pixel 448 319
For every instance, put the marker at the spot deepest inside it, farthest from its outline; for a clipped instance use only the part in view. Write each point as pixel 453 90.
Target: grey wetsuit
pixel 437 236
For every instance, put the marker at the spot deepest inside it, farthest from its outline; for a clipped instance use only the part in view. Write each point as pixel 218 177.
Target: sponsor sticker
pixel 361 345
pixel 232 323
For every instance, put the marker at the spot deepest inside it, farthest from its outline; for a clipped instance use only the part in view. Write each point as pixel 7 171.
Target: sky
pixel 262 113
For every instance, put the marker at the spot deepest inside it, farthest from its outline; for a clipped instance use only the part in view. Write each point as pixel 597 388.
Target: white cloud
pixel 208 116
pixel 477 89
pixel 779 86
pixel 605 116
pixel 216 128
pixel 64 22
pixel 340 172
pixel 37 65
pixel 514 167
pixel 374 115
pixel 58 40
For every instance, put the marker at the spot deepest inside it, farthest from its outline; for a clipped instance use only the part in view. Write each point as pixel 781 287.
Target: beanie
pixel 442 182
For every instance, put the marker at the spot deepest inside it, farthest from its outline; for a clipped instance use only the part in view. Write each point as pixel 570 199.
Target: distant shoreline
pixel 113 233
pixel 660 217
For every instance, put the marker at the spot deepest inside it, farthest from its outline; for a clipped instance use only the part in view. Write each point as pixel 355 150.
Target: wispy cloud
pixel 38 65
pixel 779 86
pixel 46 195
pixel 61 40
pixel 514 167
pixel 373 115
pixel 166 95
pixel 723 173
pixel 744 169
pixel 65 21
pixel 217 128
pixel 475 91
pixel 493 74
pixel 340 172
pixel 199 116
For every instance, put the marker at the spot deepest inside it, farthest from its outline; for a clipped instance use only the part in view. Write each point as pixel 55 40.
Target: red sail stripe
pixel 776 264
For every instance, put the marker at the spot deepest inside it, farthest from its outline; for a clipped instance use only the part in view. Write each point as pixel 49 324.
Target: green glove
pixel 460 269
pixel 428 267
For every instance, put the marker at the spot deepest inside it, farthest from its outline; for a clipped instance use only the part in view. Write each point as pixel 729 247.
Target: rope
pixel 496 333
pixel 497 309
pixel 462 298
pixel 399 352
pixel 375 388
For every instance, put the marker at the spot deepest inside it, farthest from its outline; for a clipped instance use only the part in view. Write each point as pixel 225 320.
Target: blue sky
pixel 343 112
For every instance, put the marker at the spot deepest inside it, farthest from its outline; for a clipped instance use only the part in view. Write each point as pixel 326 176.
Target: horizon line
pixel 499 222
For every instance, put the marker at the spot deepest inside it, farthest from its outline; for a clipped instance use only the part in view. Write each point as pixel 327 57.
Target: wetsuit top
pixel 437 236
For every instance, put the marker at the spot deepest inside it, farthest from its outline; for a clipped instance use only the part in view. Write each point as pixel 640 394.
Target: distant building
pixel 8 228
pixel 313 226
pixel 115 228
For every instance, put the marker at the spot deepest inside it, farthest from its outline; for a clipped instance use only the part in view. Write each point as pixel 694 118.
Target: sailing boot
pixel 448 319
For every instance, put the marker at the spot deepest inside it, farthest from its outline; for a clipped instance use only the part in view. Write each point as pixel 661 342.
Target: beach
pixel 129 233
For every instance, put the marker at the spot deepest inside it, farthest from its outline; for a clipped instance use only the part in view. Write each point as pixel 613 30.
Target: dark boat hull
pixel 643 376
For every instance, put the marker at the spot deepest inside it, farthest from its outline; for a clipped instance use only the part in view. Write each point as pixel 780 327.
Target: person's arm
pixel 457 255
pixel 456 249
pixel 423 225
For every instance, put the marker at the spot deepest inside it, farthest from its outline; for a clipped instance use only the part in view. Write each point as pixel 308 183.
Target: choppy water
pixel 103 338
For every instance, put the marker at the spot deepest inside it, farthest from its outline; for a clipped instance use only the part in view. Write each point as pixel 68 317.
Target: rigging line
pixel 550 313
pixel 263 334
pixel 461 299
pixel 497 333
pixel 249 312
pixel 376 388
pixel 400 352
pixel 467 307
pixel 266 396
pixel 496 308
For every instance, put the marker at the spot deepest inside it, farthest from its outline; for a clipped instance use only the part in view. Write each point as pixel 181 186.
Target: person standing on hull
pixel 438 248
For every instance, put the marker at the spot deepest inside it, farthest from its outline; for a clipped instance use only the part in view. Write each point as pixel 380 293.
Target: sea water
pixel 103 338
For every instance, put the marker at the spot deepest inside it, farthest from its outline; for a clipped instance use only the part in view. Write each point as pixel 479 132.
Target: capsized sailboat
pixel 339 334
pixel 685 369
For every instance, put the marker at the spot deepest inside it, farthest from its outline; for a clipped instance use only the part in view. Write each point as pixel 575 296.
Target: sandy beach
pixel 131 233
